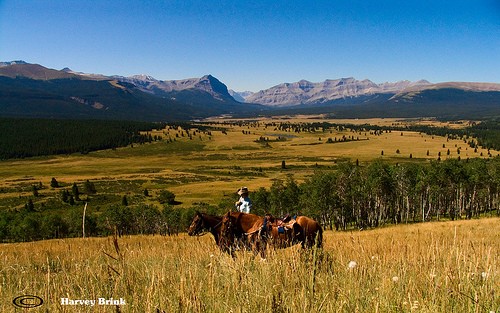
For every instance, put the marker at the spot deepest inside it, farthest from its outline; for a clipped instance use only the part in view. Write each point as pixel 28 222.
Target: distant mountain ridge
pixel 11 63
pixel 351 98
pixel 36 91
pixel 147 83
pixel 207 83
pixel 240 96
pixel 33 71
pixel 306 92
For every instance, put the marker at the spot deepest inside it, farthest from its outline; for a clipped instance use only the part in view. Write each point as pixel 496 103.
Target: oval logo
pixel 27 301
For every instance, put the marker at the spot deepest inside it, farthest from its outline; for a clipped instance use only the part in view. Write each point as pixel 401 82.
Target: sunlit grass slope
pixel 431 267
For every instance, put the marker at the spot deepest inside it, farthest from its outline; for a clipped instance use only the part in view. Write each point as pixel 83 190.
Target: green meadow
pixel 203 167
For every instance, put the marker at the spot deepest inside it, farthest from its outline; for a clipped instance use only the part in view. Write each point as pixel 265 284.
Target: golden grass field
pixel 430 267
pixel 207 167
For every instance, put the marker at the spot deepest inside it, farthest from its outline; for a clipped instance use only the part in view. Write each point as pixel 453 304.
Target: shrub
pixel 167 197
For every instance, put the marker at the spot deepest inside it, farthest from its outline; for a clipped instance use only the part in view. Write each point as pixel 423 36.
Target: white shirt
pixel 244 204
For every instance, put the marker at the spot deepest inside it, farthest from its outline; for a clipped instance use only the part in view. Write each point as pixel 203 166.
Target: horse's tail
pixel 319 237
pixel 265 231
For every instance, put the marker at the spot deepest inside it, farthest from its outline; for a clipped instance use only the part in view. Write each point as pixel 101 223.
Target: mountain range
pixel 32 90
pixel 306 92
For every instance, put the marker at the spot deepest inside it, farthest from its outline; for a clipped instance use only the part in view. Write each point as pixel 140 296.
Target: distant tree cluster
pixel 262 139
pixel 344 138
pixel 23 138
pixel 487 134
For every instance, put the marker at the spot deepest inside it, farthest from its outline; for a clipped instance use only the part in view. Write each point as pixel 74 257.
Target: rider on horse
pixel 244 204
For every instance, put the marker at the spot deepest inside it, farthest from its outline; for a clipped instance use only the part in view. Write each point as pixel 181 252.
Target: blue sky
pixel 253 45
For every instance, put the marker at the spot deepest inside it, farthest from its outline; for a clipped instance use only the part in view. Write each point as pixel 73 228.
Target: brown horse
pixel 241 228
pixel 203 222
pixel 312 233
pixel 283 234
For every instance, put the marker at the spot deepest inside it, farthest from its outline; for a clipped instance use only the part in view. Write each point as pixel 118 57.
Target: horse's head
pixel 227 230
pixel 270 217
pixel 197 225
pixel 227 222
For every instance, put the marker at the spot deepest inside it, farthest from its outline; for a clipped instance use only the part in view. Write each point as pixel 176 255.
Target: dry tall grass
pixel 434 267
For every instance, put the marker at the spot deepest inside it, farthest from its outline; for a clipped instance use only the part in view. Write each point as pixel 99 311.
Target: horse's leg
pixel 258 246
pixel 253 244
pixel 263 251
pixel 305 239
pixel 311 241
pixel 261 247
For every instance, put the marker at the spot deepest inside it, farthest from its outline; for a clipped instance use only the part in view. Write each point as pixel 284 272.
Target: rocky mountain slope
pixel 36 91
pixel 305 92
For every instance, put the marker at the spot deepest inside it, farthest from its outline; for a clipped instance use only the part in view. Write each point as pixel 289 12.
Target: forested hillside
pixel 21 138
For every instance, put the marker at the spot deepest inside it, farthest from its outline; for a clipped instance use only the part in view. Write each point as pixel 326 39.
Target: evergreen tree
pixel 89 188
pixel 260 201
pixel 30 206
pixel 64 196
pixel 35 191
pixel 166 197
pixel 75 191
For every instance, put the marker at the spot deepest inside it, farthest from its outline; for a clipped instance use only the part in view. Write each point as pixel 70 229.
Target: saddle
pixel 270 222
pixel 282 224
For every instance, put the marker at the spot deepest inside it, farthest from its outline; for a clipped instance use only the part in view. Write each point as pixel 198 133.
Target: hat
pixel 243 190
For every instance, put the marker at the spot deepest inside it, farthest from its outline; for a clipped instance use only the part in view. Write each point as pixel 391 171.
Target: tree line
pixel 31 223
pixel 61 215
pixel 381 193
pixel 23 138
